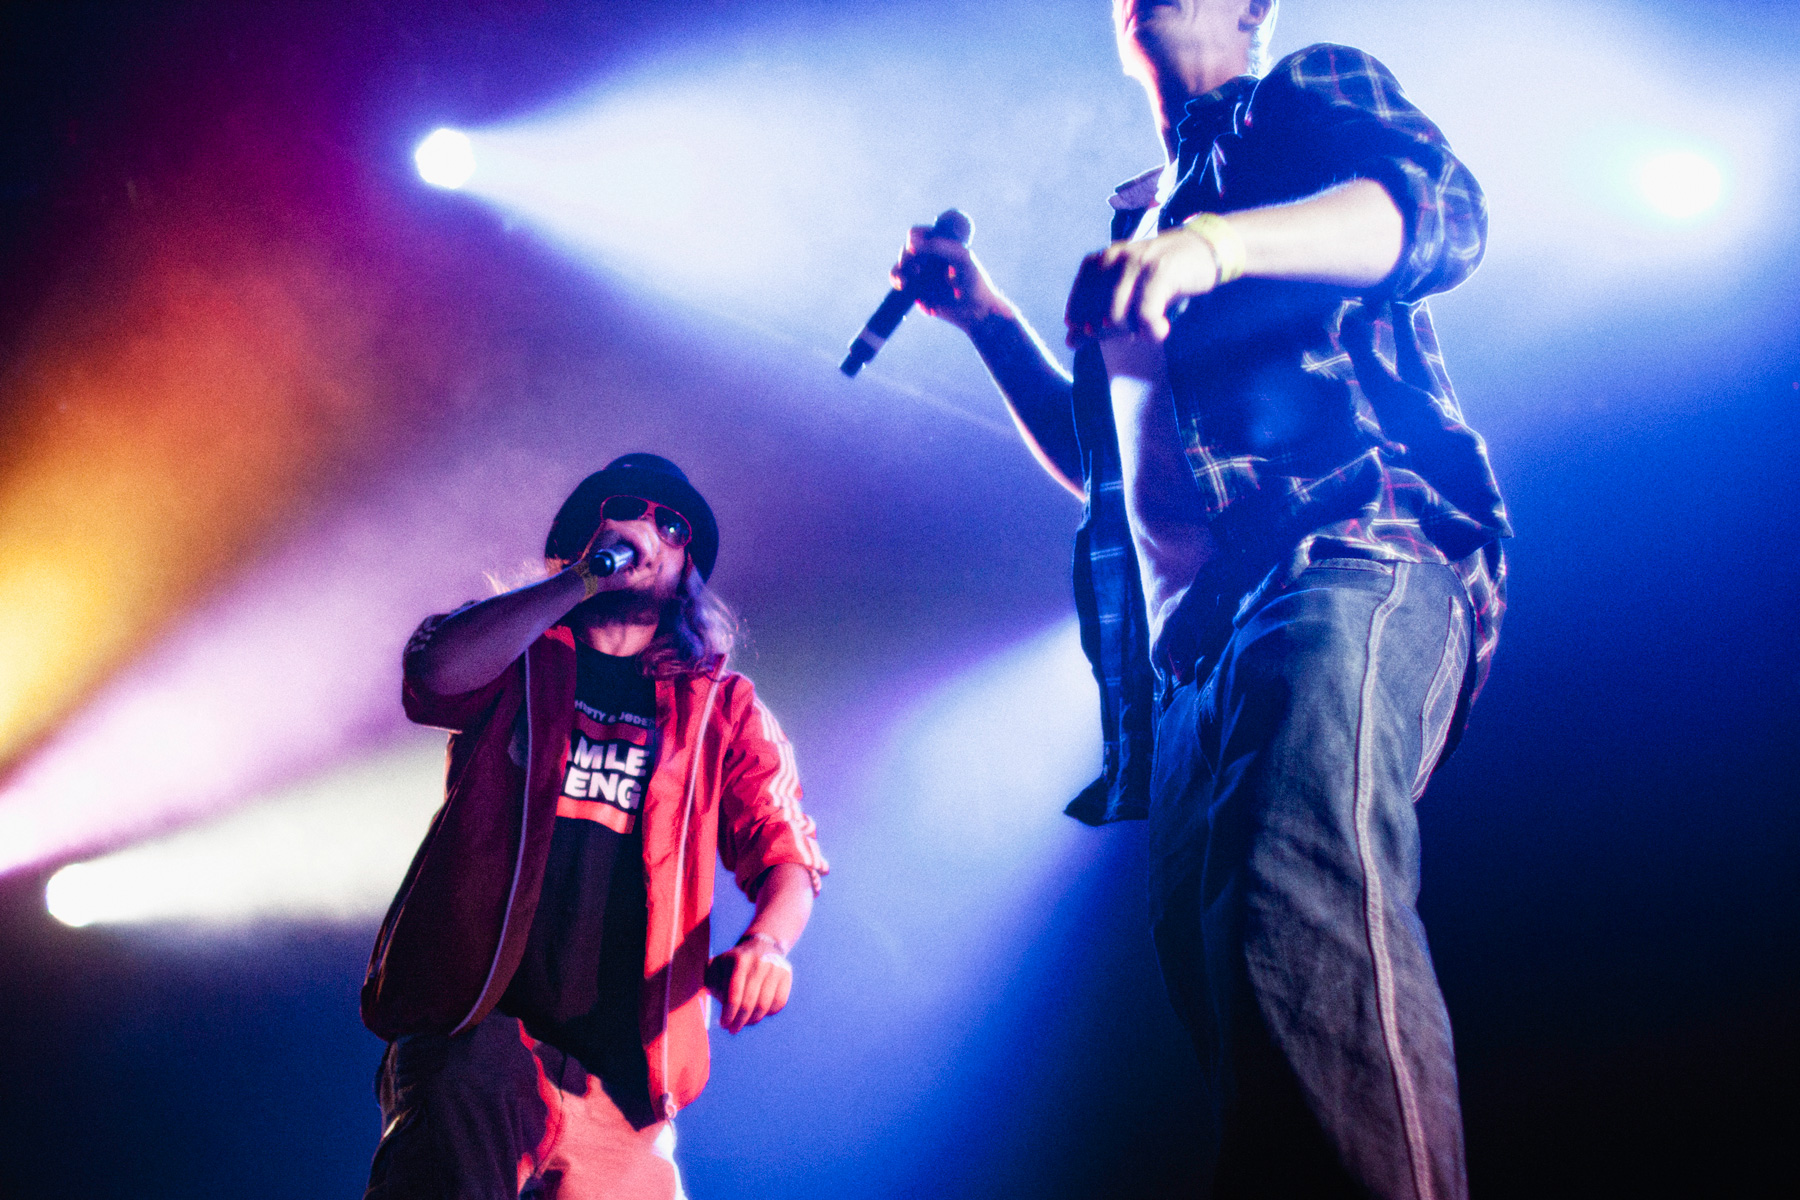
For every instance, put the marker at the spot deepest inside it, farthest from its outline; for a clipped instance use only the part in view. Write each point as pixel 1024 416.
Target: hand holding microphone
pixel 596 565
pixel 609 559
pixel 936 271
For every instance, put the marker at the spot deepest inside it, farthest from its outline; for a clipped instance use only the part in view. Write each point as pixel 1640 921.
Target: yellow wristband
pixel 590 582
pixel 1226 244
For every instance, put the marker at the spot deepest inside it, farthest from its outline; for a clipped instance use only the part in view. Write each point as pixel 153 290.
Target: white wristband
pixel 770 940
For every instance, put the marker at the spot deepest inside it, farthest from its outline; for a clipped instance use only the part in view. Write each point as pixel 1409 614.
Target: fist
pixel 751 981
pixel 1128 287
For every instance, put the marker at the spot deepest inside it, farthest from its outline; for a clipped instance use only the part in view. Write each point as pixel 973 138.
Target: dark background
pixel 1611 883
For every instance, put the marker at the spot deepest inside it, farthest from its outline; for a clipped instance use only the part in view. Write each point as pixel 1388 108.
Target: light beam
pixel 1681 184
pixel 331 850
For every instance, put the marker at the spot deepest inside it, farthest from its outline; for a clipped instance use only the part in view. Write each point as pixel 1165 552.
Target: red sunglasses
pixel 671 526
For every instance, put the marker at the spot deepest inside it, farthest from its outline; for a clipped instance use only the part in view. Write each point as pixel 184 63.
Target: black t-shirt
pixel 578 985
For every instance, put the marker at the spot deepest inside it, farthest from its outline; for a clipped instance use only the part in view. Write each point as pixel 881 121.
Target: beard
pixel 630 606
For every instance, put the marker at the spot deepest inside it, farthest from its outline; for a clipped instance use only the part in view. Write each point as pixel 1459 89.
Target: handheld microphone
pixel 951 223
pixel 611 559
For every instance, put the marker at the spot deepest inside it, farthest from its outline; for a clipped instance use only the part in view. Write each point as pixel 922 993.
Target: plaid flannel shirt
pixel 1317 423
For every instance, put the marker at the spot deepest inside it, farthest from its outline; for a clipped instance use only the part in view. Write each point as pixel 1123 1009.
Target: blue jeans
pixel 1284 873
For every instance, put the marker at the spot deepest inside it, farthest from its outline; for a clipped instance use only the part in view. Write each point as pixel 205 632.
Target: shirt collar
pixel 1208 116
pixel 1205 117
pixel 1137 192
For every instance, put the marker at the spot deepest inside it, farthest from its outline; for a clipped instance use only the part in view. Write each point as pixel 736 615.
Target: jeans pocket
pixel 1441 697
pixel 1375 565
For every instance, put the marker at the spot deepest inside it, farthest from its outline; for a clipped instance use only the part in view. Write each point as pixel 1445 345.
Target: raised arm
pixel 473 645
pixel 1038 392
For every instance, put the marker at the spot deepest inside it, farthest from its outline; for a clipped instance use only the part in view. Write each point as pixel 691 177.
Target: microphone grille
pixel 954 224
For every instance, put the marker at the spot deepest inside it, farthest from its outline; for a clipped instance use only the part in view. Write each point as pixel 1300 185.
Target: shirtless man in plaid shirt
pixel 1288 573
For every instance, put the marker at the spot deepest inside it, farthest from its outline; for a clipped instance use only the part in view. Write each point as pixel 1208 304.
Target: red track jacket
pixel 456 930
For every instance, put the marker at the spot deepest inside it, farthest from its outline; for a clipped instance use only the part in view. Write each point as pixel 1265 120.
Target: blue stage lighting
pixel 1681 184
pixel 446 158
pixel 773 188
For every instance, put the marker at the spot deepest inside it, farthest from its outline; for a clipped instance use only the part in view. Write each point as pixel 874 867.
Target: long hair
pixel 696 632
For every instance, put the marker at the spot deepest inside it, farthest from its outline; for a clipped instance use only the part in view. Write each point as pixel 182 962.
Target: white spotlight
pixel 446 158
pixel 328 850
pixel 1680 184
pixel 77 894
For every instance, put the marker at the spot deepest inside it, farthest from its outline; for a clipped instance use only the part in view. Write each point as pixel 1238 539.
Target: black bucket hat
pixel 649 476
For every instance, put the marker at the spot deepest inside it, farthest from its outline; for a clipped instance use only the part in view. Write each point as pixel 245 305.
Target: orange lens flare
pixel 169 408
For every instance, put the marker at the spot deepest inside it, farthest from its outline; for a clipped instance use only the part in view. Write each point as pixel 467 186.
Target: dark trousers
pixel 1285 870
pixel 494 1114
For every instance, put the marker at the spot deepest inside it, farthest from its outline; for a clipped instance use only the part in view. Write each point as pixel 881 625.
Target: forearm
pixel 473 646
pixel 784 904
pixel 752 979
pixel 952 286
pixel 1038 394
pixel 1350 236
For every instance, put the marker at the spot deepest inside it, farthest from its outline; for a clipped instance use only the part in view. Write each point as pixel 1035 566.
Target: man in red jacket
pixel 541 975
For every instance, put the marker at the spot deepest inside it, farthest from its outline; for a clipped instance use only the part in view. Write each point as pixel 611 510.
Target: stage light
pixel 77 894
pixel 666 178
pixel 773 189
pixel 330 850
pixel 446 158
pixel 1681 184
pixel 1634 172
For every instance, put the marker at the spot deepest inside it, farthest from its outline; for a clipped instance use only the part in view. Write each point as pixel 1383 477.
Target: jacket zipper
pixel 687 810
pixel 512 895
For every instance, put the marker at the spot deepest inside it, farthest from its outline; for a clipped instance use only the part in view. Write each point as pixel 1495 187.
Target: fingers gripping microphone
pixel 951 223
pixel 611 559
